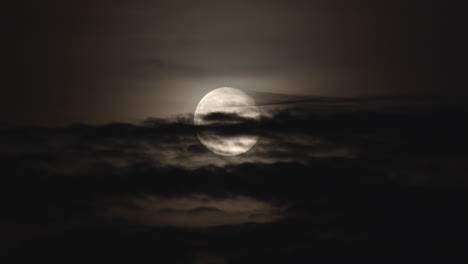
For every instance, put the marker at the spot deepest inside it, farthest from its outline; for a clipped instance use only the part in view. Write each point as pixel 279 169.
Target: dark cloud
pixel 226 117
pixel 346 176
pixel 203 209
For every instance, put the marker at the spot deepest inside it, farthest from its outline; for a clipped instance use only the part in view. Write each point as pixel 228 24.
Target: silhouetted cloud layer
pixel 330 176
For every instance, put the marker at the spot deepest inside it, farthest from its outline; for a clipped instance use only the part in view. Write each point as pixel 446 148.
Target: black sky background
pixel 362 139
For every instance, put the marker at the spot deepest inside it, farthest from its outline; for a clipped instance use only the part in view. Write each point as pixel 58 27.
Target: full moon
pixel 226 106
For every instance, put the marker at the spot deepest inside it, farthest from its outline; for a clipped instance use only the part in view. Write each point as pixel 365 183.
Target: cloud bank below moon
pixel 338 173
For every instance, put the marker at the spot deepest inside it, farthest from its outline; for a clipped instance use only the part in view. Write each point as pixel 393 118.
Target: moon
pixel 226 106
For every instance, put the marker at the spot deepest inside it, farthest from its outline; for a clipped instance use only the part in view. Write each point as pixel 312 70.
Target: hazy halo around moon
pixel 226 101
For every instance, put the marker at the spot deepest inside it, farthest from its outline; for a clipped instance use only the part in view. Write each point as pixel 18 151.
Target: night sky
pixel 362 136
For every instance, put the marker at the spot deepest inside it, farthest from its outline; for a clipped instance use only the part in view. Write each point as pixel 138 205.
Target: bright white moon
pixel 227 102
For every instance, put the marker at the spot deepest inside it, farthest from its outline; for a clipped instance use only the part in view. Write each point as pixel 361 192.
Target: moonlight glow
pixel 227 102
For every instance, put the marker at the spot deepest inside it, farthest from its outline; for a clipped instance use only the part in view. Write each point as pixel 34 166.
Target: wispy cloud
pixel 196 211
pixel 351 172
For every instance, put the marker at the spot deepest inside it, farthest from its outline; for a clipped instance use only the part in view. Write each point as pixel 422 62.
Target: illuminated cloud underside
pixel 198 211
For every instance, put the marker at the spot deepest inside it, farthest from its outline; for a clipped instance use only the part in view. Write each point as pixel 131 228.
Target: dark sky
pixel 101 61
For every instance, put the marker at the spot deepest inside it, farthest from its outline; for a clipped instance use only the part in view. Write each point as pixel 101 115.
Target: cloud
pixel 327 174
pixel 226 117
pixel 196 211
pixel 360 129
